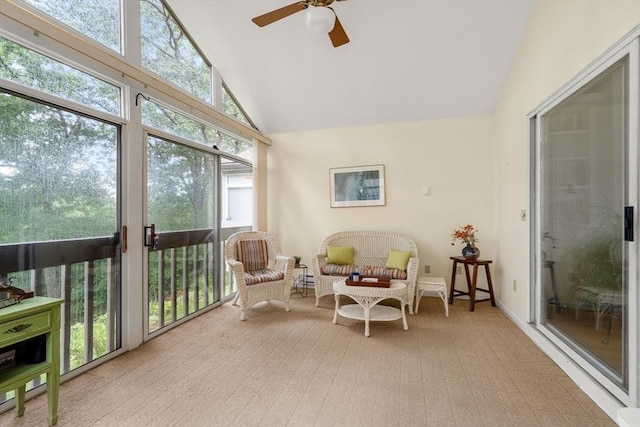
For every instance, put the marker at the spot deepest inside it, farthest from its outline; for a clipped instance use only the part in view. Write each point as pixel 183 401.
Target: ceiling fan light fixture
pixel 320 19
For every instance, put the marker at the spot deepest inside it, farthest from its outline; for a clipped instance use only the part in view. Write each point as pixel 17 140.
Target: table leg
pixel 404 316
pixel 554 286
pixel 305 273
pixel 20 391
pixel 467 276
pixel 446 306
pixel 490 285
pixel 453 281
pixel 472 288
pixel 53 389
pixel 418 298
pixel 335 313
pixel 366 321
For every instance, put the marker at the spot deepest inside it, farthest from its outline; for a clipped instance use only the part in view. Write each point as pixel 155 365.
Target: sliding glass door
pixel 182 266
pixel 60 221
pixel 586 183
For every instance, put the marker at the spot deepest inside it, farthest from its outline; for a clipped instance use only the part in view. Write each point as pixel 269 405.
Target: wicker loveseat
pixel 371 252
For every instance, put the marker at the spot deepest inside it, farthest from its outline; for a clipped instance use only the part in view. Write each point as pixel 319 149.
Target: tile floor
pixel 298 369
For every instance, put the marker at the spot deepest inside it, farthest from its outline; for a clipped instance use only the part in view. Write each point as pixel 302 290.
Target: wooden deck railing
pixel 47 269
pixel 183 269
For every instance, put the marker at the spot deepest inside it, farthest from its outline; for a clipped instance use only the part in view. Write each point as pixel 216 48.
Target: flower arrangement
pixel 465 233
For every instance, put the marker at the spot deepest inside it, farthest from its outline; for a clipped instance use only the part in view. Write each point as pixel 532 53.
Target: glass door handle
pixel 628 223
pixel 150 236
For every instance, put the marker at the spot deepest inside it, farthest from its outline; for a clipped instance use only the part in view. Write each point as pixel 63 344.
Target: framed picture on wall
pixel 357 186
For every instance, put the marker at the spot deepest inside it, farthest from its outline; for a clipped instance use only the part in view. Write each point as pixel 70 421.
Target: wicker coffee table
pixel 367 298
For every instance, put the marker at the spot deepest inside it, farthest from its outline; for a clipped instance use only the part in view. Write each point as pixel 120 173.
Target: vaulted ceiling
pixel 407 60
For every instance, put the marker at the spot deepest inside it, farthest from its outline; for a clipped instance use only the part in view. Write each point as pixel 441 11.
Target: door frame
pixel 220 233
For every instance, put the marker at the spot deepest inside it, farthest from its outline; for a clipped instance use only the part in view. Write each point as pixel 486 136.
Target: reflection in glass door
pixel 584 189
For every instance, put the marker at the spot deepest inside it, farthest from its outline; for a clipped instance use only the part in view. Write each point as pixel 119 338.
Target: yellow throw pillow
pixel 341 255
pixel 398 259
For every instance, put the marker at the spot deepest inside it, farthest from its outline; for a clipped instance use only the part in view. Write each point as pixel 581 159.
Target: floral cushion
pixel 369 270
pixel 263 275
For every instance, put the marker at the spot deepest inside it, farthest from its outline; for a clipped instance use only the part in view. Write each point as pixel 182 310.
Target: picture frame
pixel 357 186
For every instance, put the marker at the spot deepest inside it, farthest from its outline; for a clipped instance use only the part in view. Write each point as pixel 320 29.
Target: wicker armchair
pixel 260 270
pixel 371 249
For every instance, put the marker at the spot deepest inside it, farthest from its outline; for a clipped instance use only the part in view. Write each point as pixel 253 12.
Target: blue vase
pixel 470 252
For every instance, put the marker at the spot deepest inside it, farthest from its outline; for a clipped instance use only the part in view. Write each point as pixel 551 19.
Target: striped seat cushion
pixel 368 270
pixel 253 254
pixel 263 275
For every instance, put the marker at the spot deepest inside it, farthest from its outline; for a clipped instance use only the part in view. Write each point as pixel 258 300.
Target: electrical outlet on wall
pixel 458 270
pixel 427 269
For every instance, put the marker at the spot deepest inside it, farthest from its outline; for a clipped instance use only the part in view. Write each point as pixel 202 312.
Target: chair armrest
pixel 238 271
pixel 412 270
pixel 317 262
pixel 286 264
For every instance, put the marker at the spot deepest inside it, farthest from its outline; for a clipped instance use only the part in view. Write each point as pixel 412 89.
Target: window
pixel 177 124
pixel 170 53
pixel 231 107
pixel 29 68
pixel 100 22
pixel 237 194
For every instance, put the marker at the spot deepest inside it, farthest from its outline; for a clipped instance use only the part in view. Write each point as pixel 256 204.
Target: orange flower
pixel 465 233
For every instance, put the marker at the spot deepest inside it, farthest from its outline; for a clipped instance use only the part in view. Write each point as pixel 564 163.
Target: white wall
pixel 454 157
pixel 561 38
pixel 477 167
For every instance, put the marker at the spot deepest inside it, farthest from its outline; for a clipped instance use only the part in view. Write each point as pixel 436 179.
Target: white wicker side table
pixel 432 284
pixel 367 298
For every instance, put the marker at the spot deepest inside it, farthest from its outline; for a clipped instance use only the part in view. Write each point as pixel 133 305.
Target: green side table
pixel 31 318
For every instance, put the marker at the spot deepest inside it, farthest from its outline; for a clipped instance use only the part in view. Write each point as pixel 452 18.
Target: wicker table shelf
pixel 367 298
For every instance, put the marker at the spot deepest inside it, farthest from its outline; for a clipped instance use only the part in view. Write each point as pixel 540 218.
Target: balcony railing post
pixel 65 322
pixel 196 287
pixel 88 311
pixel 111 305
pixel 160 300
pixel 172 255
pixel 185 282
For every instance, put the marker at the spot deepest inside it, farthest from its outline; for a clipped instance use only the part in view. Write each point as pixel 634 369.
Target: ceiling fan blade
pixel 276 15
pixel 338 36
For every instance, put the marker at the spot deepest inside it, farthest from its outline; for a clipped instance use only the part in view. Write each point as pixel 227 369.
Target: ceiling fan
pixel 320 18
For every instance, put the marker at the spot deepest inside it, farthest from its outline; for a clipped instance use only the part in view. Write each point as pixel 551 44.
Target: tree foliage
pixel 101 21
pixel 35 70
pixel 57 173
pixel 180 186
pixel 168 52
